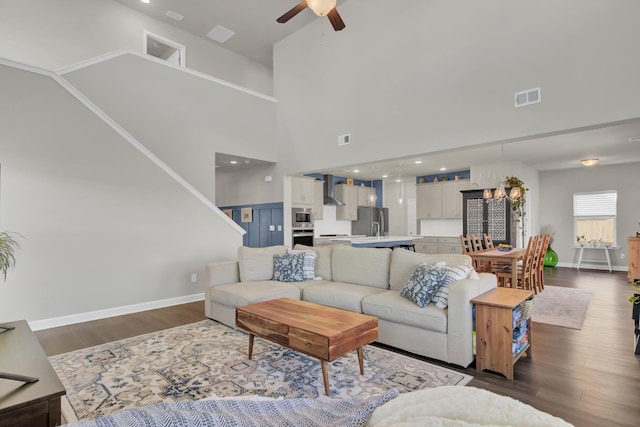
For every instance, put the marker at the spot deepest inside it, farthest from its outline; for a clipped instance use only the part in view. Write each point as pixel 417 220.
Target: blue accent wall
pixel 264 215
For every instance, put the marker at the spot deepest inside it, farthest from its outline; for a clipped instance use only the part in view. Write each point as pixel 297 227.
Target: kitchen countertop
pixel 374 241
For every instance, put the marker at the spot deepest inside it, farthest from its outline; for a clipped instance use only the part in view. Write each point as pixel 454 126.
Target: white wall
pixel 249 187
pixel 447 79
pixel 556 206
pixel 182 118
pixel 52 34
pixel 103 226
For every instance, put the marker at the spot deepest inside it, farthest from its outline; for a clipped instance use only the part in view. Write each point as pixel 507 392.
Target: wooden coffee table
pixel 315 330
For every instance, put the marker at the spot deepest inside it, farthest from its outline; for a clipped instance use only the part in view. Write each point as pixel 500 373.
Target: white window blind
pixel 595 204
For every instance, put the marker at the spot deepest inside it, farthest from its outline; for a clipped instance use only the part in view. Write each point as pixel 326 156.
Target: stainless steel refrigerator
pixel 368 221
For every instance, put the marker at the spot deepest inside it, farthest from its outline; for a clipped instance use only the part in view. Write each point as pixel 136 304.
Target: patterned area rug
pixel 208 359
pixel 566 307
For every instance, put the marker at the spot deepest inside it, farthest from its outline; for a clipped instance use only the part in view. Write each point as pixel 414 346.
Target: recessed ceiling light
pixel 356 170
pixel 246 162
pixel 233 162
pixel 589 162
pixel 443 169
pixel 385 176
pixel 145 1
pixel 398 180
pixel 220 34
pixel 417 162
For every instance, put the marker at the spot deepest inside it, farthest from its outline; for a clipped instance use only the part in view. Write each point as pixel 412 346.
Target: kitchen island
pixel 376 242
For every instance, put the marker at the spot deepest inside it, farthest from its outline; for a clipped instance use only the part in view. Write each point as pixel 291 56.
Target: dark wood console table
pixel 27 404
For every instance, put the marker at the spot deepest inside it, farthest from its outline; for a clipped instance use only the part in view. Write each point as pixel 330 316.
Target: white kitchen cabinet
pixel 366 196
pixel 449 245
pixel 347 194
pixel 302 189
pixel 438 245
pixel 452 198
pixel 428 245
pixel 429 201
pixel 440 200
pixel 318 199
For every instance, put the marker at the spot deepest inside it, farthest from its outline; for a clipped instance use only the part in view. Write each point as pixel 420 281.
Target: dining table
pixel 503 256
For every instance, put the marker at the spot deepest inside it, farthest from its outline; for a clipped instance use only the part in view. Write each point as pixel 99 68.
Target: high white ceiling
pixel 254 23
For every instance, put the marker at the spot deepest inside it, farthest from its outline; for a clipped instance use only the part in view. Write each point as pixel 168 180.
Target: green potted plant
pixel 517 204
pixel 8 247
pixel 635 314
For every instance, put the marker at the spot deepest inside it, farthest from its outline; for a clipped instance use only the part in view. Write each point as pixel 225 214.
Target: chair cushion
pixel 346 296
pixel 390 306
pixel 361 266
pixel 243 293
pixel 257 263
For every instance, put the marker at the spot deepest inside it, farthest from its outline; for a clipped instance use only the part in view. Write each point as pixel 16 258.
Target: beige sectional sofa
pixel 362 280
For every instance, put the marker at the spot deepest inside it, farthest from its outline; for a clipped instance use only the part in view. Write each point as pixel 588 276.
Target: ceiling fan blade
pixel 336 20
pixel 293 12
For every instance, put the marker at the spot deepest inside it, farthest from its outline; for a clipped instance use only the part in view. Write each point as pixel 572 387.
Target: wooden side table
pixel 495 328
pixel 36 404
pixel 634 258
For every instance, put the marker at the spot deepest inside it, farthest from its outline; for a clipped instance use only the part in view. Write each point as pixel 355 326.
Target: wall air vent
pixel 174 15
pixel 527 97
pixel 344 139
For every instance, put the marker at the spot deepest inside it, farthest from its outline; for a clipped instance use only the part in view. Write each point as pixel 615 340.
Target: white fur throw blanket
pixel 453 406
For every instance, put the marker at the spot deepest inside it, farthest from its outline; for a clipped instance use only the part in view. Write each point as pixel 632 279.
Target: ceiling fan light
pixel 589 162
pixel 321 7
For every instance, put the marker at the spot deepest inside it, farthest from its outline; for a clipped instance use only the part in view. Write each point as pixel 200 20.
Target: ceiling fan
pixel 321 8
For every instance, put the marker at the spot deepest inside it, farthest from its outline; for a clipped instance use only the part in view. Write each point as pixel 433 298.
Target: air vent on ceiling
pixel 344 139
pixel 527 97
pixel 220 34
pixel 173 15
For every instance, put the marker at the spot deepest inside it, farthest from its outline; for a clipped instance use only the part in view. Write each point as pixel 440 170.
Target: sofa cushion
pixel 390 306
pixel 361 266
pixel 403 264
pixel 346 296
pixel 323 261
pixel 257 263
pixel 449 259
pixel 309 265
pixel 454 273
pixel 424 283
pixel 243 293
pixel 288 267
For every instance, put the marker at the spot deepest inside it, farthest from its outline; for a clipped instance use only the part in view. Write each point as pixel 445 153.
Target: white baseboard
pixel 55 322
pixel 587 266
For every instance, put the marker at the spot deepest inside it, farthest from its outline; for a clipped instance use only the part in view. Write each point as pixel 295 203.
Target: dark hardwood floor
pixel 589 377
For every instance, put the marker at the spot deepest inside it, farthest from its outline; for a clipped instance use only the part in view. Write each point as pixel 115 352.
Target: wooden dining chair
pixel 488 241
pixel 476 242
pixel 539 267
pixel 525 271
pixel 466 244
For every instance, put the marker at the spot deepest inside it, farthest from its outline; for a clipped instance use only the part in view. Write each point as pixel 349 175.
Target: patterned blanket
pixel 247 413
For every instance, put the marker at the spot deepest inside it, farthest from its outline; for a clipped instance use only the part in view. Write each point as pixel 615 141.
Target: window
pixel 594 217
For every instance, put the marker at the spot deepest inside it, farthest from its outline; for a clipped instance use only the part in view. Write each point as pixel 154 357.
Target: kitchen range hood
pixel 329 192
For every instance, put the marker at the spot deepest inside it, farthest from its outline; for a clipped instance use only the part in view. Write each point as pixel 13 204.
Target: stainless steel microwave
pixel 301 218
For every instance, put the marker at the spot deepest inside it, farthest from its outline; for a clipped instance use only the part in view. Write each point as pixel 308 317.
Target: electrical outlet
pixel 194 278
pixel 622 256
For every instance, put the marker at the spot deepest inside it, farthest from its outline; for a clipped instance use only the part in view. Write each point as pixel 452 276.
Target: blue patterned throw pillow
pixel 424 283
pixel 288 268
